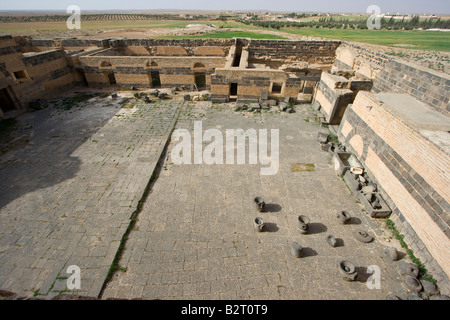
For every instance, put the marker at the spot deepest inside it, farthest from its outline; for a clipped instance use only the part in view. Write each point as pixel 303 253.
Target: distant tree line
pixel 99 17
pixel 333 23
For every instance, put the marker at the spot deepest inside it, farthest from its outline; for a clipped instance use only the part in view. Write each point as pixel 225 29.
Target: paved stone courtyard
pixel 67 198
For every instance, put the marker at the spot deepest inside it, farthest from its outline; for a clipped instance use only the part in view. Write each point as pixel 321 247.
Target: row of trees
pixel 98 17
pixel 332 23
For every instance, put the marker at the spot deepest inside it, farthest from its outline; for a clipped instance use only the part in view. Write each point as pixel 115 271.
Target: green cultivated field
pixel 228 35
pixel 421 40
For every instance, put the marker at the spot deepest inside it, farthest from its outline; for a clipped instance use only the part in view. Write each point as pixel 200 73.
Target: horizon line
pixel 216 10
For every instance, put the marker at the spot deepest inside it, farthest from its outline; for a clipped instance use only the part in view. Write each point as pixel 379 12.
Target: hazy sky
pixel 404 6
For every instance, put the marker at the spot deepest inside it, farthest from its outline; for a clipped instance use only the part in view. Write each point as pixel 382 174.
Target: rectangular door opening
pixel 110 78
pixel 154 79
pixel 6 101
pixel 233 91
pixel 200 80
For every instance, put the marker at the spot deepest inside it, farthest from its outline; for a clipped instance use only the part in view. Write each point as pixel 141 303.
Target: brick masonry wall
pixel 412 176
pixel 427 86
pixel 391 75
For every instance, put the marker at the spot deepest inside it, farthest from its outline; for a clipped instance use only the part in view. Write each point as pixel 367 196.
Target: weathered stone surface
pixel 264 95
pixel 429 287
pixel 82 186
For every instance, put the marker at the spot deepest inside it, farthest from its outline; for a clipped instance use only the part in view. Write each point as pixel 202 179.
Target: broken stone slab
pixel 264 95
pixel 263 104
pixel 323 137
pixel 316 106
pixel 287 99
pixel 187 97
pixel 283 106
pixel 325 147
pixel 352 182
pixel 240 106
pixel 254 106
pixel 162 95
pixel 343 161
pixel 272 102
pixel 429 287
pixel 369 188
pixel 331 240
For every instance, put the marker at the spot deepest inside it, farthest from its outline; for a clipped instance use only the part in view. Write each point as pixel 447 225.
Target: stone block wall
pixel 174 47
pixel 412 174
pixel 10 54
pixel 313 52
pixel 29 76
pixel 250 82
pixel 361 60
pixel 333 96
pixel 427 86
pixel 48 73
pixel 134 70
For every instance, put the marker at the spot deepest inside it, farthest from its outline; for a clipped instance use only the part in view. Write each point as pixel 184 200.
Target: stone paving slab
pixel 67 198
pixel 195 239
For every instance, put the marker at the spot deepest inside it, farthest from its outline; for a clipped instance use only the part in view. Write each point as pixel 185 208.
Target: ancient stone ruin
pixel 391 116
